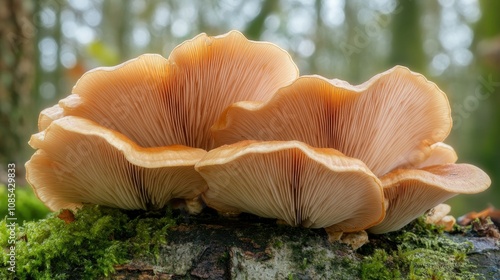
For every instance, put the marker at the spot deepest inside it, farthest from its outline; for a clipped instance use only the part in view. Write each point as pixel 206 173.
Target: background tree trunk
pixel 488 51
pixel 17 72
pixel 407 37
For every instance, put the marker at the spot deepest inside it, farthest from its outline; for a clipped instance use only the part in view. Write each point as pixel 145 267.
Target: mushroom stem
pixel 333 234
pixel 355 239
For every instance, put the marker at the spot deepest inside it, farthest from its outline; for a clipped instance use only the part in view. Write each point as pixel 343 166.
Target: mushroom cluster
pixel 129 136
pixel 229 120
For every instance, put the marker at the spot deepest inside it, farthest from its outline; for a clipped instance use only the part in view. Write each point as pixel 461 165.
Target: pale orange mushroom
pixel 395 123
pixel 411 192
pixel 438 215
pixel 391 127
pixel 440 154
pixel 157 102
pixel 48 115
pixel 293 182
pixel 79 161
pixel 387 122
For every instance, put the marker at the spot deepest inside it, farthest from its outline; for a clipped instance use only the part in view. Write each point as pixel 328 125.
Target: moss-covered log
pixel 113 244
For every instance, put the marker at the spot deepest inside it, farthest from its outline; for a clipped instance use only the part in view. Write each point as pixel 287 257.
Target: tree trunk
pixel 209 247
pixel 407 38
pixel 16 68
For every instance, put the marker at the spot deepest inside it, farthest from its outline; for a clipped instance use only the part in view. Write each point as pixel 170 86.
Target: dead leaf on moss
pixel 67 216
pixel 491 212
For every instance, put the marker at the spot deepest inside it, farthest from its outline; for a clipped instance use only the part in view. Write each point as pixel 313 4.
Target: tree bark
pixel 17 68
pixel 210 247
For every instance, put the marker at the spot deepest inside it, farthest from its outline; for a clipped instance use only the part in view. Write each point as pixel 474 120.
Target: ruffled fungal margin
pixel 158 102
pixel 412 192
pixel 293 182
pixel 387 122
pixel 79 162
pixel 324 153
pixel 394 123
pixel 48 115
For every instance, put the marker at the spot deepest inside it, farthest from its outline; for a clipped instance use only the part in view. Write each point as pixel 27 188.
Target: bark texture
pixel 247 247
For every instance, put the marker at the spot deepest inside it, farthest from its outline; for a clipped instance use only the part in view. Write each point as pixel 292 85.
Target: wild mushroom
pixel 387 122
pixel 438 215
pixel 395 123
pixel 355 239
pixel 411 192
pixel 47 116
pixel 159 102
pixel 293 182
pixel 79 161
pixel 440 154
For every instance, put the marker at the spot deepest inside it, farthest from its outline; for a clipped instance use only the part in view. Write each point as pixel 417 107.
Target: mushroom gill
pixel 387 122
pixel 309 151
pixel 79 161
pixel 156 102
pixel 293 182
pixel 159 102
pixel 394 123
pixel 411 192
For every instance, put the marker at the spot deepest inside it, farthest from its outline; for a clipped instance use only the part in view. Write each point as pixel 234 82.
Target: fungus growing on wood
pixel 79 161
pixel 395 123
pixel 439 216
pixel 325 154
pixel 387 122
pixel 490 212
pixel 167 103
pixel 411 192
pixel 293 182
pixel 440 154
pixel 48 115
pixel 158 102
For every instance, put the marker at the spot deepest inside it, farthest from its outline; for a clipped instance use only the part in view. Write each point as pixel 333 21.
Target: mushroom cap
pixel 48 115
pixel 411 192
pixel 79 161
pixel 159 102
pixel 440 154
pixel 293 182
pixel 437 213
pixel 384 121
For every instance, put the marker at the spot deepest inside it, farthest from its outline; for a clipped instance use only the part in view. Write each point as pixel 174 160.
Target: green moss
pixel 87 248
pixel 223 258
pixel 305 258
pixel 278 244
pixel 379 266
pixel 28 206
pixel 313 255
pixel 419 251
pixel 100 238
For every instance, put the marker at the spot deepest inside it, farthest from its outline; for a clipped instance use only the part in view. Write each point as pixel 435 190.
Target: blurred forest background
pixel 47 45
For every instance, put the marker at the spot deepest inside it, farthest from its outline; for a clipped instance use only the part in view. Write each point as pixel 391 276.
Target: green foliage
pixel 418 251
pixel 28 206
pixel 87 248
